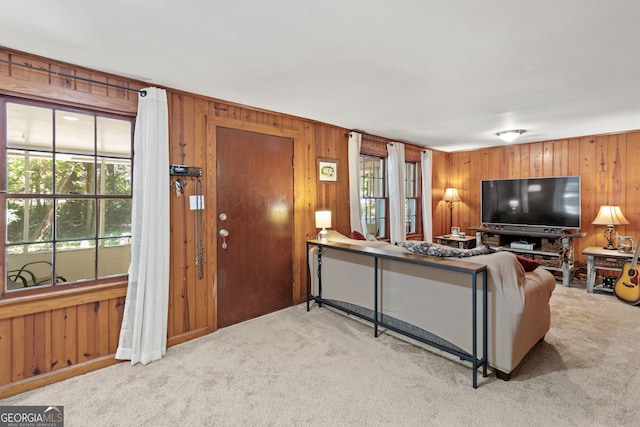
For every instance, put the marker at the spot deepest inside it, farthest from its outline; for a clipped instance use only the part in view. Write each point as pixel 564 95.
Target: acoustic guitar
pixel 626 287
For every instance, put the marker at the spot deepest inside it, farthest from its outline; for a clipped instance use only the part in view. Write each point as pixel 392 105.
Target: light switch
pixel 196 202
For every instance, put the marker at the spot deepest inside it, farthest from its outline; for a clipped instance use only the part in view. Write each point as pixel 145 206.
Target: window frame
pixel 373 147
pixel 98 198
pixel 384 198
pixel 416 197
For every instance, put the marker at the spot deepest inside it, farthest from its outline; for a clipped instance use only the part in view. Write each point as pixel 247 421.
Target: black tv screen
pixel 535 202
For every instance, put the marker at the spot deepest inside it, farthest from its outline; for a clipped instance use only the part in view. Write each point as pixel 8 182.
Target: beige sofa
pixel 440 301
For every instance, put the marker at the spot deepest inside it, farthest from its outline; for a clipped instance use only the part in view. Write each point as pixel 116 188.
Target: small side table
pixel 599 258
pixel 466 242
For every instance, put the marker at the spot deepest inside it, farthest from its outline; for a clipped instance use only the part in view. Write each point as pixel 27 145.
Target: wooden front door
pixel 255 207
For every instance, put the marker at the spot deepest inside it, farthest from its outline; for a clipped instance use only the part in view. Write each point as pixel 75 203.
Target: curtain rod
pixel 369 137
pixel 142 92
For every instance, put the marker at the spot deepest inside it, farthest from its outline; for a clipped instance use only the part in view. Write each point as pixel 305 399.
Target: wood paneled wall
pixel 48 338
pixel 606 164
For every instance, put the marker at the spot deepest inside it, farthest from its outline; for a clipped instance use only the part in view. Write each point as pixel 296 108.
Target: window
pixel 67 175
pixel 412 201
pixel 373 194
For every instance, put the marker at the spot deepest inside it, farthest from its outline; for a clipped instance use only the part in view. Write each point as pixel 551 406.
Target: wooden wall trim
pixel 42 380
pixel 187 336
pixel 21 306
pixel 35 84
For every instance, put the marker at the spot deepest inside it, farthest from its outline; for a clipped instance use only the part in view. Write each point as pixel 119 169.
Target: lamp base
pixel 610 234
pixel 322 235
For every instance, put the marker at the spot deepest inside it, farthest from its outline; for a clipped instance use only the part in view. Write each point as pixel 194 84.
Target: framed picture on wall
pixel 327 170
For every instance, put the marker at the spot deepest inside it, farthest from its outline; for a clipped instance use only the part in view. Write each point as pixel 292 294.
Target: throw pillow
pixel 527 263
pixel 356 235
pixel 434 249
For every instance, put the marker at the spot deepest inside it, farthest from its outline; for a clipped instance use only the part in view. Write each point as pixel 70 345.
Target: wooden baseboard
pixel 187 336
pixel 42 380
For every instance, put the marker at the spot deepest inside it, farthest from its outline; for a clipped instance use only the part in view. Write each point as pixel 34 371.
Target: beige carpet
pixel 319 368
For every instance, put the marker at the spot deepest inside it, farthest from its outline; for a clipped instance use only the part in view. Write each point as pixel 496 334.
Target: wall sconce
pixel 610 216
pixel 450 196
pixel 323 220
pixel 510 135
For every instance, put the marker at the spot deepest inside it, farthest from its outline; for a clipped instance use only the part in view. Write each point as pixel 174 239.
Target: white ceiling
pixel 444 74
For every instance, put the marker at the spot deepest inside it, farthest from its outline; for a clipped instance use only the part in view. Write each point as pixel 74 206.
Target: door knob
pixel 223 233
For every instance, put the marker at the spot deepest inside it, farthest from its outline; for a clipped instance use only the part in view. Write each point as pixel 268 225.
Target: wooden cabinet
pixel 553 249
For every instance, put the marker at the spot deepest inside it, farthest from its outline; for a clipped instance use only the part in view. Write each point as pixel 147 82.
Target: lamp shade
pixel 610 215
pixel 451 195
pixel 323 219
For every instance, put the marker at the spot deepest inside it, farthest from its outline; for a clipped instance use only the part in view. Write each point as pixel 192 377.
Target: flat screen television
pixel 531 202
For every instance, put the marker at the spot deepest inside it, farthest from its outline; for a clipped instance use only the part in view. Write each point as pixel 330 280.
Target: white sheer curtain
pixel 357 219
pixel 396 170
pixel 426 161
pixel 143 335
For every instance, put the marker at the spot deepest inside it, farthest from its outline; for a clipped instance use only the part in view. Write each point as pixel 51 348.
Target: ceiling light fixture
pixel 510 135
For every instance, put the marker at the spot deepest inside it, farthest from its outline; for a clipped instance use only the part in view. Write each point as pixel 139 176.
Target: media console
pixel 551 247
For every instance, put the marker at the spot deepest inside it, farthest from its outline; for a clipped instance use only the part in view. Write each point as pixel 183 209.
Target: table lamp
pixel 610 216
pixel 323 220
pixel 450 196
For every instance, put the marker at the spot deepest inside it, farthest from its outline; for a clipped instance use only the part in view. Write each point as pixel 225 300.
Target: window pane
pixel 113 137
pixel 117 176
pixel 75 133
pixel 29 172
pixel 75 219
pixel 75 260
pixel 29 127
pixel 15 220
pixel 32 268
pixel 410 223
pixel 75 174
pixel 113 260
pixel 33 224
pixel 380 217
pixel 410 176
pixel 117 218
pixel 372 177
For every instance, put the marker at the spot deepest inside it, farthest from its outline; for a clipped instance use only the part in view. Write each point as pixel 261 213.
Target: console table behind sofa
pixel 376 260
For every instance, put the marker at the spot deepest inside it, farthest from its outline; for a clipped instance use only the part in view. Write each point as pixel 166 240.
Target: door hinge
pixel 294 286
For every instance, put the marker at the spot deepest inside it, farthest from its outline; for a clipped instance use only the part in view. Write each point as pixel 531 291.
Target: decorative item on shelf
pixel 450 196
pixel 610 216
pixel 510 135
pixel 323 220
pixel 625 244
